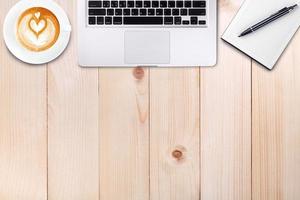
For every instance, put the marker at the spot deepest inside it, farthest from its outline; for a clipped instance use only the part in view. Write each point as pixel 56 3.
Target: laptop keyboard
pixel 158 13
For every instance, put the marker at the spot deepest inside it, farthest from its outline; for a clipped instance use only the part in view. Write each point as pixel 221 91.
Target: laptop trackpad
pixel 147 47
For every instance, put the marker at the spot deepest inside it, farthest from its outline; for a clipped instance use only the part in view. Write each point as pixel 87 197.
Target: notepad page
pixel 268 43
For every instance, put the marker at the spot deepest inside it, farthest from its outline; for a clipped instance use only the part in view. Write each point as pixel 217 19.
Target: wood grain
pixel 149 134
pixel 174 134
pixel 73 168
pixel 23 125
pixel 276 128
pixel 226 120
pixel 124 134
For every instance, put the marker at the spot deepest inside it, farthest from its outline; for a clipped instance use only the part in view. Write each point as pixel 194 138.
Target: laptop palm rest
pixel 147 47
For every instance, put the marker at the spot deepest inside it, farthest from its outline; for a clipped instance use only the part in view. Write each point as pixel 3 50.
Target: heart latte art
pixel 38 29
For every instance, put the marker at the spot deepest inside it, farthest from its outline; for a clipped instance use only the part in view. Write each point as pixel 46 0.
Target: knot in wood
pixel 139 73
pixel 177 154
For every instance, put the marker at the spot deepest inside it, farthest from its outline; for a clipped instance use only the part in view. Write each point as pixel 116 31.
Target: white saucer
pixel 12 43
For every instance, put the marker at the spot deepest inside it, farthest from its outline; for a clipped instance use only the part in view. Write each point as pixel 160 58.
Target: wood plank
pixel 276 128
pixel 174 141
pixel 124 134
pixel 23 125
pixel 226 120
pixel 73 124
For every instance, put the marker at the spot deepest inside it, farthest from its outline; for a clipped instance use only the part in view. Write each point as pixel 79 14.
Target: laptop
pixel 157 33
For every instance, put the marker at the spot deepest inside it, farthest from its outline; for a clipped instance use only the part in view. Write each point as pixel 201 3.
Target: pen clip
pixel 283 9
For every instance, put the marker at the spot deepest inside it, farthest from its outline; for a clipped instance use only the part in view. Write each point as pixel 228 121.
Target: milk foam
pixel 38 29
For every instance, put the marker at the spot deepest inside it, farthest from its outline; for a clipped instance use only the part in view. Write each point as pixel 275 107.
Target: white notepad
pixel 268 43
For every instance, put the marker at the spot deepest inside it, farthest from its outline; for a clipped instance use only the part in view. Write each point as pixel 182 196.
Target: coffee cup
pixel 36 31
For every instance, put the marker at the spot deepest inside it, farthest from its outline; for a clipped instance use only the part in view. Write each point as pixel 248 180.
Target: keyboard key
pixel 138 4
pixel 183 12
pixel 197 12
pixel 117 20
pixel 122 4
pixel 178 20
pixel 130 4
pixel 163 4
pixel 97 12
pixel 185 22
pixel 167 12
pixel 187 4
pixel 95 4
pixel 155 4
pixel 143 20
pixel 175 11
pixel 159 11
pixel 108 20
pixel 202 22
pixel 114 4
pixel 100 20
pixel 126 11
pixel 118 12
pixel 179 4
pixel 194 20
pixel 143 12
pixel 92 20
pixel 147 4
pixel 151 11
pixel 110 11
pixel 199 4
pixel 106 4
pixel 168 20
pixel 171 4
pixel 134 11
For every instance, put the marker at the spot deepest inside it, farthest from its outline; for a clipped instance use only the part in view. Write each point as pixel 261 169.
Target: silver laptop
pixel 161 33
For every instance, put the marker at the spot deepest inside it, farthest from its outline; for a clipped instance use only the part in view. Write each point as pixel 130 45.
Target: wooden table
pixel 231 132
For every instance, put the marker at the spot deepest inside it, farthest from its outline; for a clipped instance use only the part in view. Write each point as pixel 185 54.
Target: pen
pixel 270 19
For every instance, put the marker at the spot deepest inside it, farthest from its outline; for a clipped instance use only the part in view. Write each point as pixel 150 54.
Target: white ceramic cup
pixel 22 53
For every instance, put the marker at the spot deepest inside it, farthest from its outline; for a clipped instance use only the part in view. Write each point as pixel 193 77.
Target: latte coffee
pixel 38 29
